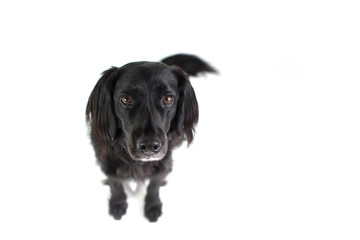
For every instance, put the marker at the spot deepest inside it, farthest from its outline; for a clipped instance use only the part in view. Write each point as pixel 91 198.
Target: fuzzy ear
pixel 187 113
pixel 100 109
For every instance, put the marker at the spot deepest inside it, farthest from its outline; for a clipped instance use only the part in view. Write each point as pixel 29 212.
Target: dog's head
pixel 140 107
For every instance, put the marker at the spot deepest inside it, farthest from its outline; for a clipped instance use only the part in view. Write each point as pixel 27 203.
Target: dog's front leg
pixel 117 202
pixel 153 205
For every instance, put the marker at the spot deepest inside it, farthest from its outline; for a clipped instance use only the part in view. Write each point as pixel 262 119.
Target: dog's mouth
pixel 142 155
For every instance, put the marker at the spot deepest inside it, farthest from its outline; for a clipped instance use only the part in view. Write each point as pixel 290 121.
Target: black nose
pixel 149 145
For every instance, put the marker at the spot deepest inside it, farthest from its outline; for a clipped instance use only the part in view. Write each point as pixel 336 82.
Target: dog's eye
pixel 167 100
pixel 126 100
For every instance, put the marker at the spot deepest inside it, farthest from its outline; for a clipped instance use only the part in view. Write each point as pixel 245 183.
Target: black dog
pixel 137 114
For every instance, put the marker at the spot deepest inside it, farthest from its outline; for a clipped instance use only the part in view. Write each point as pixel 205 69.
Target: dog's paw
pixel 118 208
pixel 153 211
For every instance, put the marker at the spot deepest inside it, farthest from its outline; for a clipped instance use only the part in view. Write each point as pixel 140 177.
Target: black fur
pixel 190 64
pixel 137 114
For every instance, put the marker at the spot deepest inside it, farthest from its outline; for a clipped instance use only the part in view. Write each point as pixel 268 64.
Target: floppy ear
pixel 100 110
pixel 187 112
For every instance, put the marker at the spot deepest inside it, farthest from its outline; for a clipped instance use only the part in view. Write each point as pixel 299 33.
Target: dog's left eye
pixel 126 100
pixel 167 100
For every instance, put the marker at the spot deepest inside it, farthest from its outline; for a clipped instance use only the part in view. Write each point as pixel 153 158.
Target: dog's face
pixel 140 107
pixel 145 102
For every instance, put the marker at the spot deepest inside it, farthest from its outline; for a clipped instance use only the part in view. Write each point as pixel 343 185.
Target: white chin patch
pixel 141 157
pixel 149 159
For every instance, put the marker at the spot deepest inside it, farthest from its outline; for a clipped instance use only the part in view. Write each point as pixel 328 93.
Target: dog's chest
pixel 140 171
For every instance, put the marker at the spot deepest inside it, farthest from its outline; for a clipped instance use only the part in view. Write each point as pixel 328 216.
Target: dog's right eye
pixel 126 100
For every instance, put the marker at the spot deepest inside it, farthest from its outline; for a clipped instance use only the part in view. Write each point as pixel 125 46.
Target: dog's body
pixel 137 114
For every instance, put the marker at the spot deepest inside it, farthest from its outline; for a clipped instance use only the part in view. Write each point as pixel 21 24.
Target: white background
pixel 276 155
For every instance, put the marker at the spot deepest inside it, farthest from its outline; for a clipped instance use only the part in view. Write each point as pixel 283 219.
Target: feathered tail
pixel 190 64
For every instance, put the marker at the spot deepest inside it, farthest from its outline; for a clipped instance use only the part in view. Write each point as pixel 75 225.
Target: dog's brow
pixel 131 89
pixel 163 89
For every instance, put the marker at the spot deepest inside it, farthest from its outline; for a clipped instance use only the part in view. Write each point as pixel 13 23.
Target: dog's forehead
pixel 146 74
